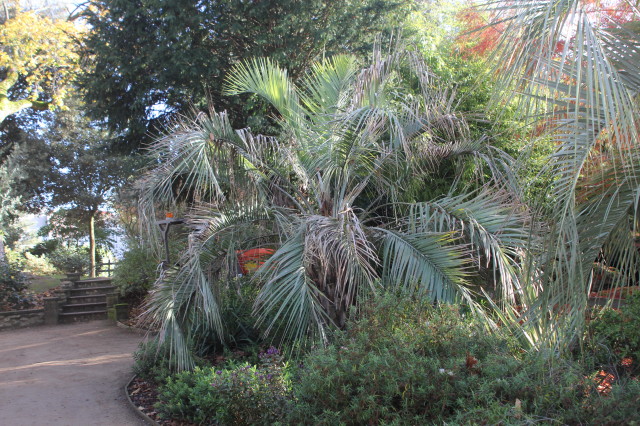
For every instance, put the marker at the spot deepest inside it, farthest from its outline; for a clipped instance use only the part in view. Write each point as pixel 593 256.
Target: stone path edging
pixel 138 412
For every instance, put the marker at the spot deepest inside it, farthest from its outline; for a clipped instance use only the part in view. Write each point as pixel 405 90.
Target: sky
pixel 56 6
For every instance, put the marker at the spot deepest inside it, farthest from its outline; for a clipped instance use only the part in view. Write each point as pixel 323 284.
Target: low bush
pixel 38 265
pixel 615 335
pixel 405 362
pixel 13 288
pixel 67 259
pixel 243 394
pixel 135 272
pixel 152 362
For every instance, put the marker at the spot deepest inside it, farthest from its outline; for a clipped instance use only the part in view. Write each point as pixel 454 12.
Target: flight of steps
pixel 86 300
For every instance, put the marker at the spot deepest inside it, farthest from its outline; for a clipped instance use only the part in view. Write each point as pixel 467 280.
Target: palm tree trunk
pixel 92 243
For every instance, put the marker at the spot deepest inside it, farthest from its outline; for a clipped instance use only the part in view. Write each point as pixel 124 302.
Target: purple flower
pixel 269 376
pixel 219 372
pixel 273 351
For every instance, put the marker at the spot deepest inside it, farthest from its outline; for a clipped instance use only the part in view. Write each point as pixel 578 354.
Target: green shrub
pixel 67 259
pixel 619 407
pixel 615 334
pixel 38 265
pixel 44 248
pixel 13 288
pixel 151 362
pixel 240 395
pixel 135 272
pixel 405 362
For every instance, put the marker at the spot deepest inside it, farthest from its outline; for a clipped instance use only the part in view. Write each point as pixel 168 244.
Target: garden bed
pixel 143 395
pixel 620 293
pixel 399 363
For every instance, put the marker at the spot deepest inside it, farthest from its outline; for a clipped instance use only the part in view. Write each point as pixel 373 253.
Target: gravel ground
pixel 70 374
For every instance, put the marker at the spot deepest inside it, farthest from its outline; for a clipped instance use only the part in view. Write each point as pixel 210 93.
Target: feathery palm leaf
pixel 494 226
pixel 577 72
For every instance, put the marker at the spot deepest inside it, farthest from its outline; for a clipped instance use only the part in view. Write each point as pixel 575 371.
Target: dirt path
pixel 66 375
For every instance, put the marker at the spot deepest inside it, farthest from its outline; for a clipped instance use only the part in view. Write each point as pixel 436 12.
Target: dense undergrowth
pixel 14 294
pixel 407 362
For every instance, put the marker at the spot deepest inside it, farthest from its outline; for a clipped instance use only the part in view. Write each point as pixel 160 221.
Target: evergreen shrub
pixel 406 362
pixel 242 394
pixel 135 273
pixel 13 288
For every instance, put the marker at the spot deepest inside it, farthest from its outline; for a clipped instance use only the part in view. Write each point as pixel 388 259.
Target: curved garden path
pixel 70 374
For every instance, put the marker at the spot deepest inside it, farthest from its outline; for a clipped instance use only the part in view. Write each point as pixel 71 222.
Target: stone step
pixel 93 282
pixel 91 291
pixel 92 298
pixel 84 307
pixel 82 316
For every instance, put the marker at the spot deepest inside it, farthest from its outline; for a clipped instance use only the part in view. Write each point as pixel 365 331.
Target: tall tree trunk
pixel 92 243
pixel 2 253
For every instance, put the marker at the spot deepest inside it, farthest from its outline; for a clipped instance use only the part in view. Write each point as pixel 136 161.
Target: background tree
pixel 65 227
pixel 9 202
pixel 38 60
pixel 156 58
pixel 86 173
pixel 27 149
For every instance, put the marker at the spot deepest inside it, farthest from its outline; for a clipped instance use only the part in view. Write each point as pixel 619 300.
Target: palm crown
pixel 332 195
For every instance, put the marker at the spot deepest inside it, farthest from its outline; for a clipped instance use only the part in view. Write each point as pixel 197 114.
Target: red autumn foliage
pixel 607 13
pixel 471 364
pixel 604 382
pixel 479 39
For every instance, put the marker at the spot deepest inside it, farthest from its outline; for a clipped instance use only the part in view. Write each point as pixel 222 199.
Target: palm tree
pixel 331 195
pixel 574 68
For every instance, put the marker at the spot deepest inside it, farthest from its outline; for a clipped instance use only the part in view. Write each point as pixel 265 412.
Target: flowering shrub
pixel 242 394
pixel 13 288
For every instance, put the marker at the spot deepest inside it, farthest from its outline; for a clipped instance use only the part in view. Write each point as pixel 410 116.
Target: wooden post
pixel 92 244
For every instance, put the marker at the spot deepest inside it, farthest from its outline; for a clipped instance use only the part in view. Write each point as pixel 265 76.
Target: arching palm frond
pixel 201 160
pixel 268 80
pixel 424 263
pixel 330 260
pixel 325 89
pixel 494 226
pixel 192 288
pixel 289 299
pixel 575 70
pixel 168 306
